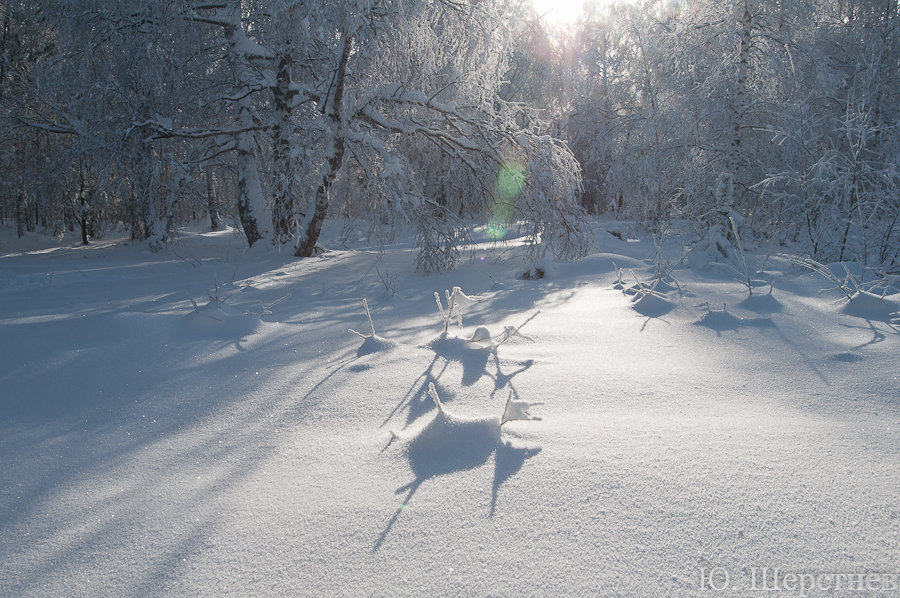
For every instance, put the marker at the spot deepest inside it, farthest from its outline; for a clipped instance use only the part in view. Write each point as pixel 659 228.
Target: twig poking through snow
pixel 456 301
pixel 265 308
pixel 517 410
pixel 369 317
pixel 508 334
pixel 432 392
pixel 437 298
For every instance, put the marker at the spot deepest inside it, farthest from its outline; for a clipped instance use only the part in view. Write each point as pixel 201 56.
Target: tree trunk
pixel 32 219
pixel 20 214
pixel 251 202
pixel 212 204
pixel 312 225
pixel 83 208
pixel 283 200
pixel 249 187
pixel 171 196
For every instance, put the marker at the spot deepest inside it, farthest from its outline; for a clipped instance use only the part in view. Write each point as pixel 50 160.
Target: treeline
pixel 775 118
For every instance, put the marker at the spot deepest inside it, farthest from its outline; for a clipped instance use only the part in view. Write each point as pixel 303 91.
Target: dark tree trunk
pixel 314 221
pixel 20 214
pixel 81 213
pixel 212 205
pixel 83 219
pixel 244 203
pixel 283 204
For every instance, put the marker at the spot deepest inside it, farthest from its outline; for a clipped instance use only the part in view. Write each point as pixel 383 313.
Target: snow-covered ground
pixel 254 447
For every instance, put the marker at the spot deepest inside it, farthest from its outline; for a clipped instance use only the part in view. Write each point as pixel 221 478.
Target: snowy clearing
pixel 199 421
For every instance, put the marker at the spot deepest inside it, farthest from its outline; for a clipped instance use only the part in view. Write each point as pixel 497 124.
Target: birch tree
pixel 321 82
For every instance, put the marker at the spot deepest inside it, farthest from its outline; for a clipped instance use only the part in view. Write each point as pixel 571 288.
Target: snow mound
pixel 652 305
pixel 871 307
pixel 761 304
pixel 481 335
pixel 374 344
pixel 720 320
pixel 450 443
pixel 458 349
pixel 215 319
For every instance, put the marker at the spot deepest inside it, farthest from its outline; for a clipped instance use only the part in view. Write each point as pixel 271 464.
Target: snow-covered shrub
pixel 649 299
pixel 372 343
pixel 456 302
pixel 849 283
pixel 558 225
pixel 438 237
pixel 517 410
pixel 483 337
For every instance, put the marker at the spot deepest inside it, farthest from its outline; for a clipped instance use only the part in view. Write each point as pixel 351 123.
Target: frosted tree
pixel 84 104
pixel 364 81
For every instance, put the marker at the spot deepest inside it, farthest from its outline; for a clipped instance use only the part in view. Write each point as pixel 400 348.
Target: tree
pixel 319 83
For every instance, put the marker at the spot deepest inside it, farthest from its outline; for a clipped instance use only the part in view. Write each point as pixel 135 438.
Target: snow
pixel 248 445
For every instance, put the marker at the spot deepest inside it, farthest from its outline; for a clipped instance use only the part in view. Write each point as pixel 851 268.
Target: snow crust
pixel 149 447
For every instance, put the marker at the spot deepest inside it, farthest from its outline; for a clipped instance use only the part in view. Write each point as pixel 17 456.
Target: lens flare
pixel 511 180
pixel 509 184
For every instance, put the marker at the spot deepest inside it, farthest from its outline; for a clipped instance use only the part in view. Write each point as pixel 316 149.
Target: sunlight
pixel 510 182
pixel 562 13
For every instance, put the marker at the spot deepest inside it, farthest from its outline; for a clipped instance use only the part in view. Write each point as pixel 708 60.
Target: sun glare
pixel 563 13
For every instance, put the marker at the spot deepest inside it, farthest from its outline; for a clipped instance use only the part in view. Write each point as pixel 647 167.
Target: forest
pixel 438 298
pixel 745 119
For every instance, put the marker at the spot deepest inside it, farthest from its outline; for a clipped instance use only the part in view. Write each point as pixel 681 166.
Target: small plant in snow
pixel 742 257
pixel 534 272
pixel 641 290
pixel 517 410
pixel 664 263
pixel 482 335
pixel 620 281
pixel 388 280
pixel 456 302
pixel 371 324
pixel 372 343
pixel 216 297
pixel 511 331
pixel 514 410
pixel 647 299
pixel 264 309
pixel 432 392
pixel 848 285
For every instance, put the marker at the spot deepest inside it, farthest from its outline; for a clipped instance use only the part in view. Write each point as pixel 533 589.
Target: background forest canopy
pixel 774 119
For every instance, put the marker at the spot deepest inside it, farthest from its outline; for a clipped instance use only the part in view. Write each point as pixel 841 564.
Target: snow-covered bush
pixel 456 302
pixel 438 237
pixel 372 343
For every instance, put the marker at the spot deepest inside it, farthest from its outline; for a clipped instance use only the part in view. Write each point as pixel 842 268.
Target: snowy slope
pixel 251 446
